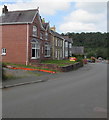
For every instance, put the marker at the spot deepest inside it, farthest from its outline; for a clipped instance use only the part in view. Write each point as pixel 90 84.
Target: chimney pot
pixel 4 10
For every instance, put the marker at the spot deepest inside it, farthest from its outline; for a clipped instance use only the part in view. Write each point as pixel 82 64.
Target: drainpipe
pixel 27 44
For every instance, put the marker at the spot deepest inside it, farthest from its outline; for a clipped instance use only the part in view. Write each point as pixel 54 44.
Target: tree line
pixel 95 43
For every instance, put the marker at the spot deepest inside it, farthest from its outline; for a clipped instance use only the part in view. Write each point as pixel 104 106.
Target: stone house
pixel 68 47
pixel 25 37
pixel 57 45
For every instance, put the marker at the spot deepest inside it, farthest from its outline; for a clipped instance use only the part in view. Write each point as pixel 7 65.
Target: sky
pixel 67 15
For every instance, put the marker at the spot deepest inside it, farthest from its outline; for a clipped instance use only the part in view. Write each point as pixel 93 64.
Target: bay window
pixel 35 50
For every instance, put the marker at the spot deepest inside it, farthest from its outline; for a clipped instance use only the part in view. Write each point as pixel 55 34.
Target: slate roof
pixel 56 34
pixel 45 25
pixel 25 16
pixel 68 39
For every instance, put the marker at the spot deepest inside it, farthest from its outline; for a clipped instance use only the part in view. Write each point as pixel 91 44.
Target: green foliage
pixel 58 62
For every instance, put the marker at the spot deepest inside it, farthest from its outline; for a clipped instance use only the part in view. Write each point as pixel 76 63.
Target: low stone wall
pixel 61 69
pixel 70 67
pixel 48 66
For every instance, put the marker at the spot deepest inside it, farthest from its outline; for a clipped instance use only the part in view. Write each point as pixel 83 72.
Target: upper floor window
pixel 70 45
pixel 46 36
pixel 66 44
pixel 3 51
pixel 56 41
pixel 34 31
pixel 41 36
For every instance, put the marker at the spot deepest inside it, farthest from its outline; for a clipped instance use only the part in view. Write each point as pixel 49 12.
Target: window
pixel 61 43
pixel 35 50
pixel 70 45
pixel 66 53
pixel 56 53
pixel 66 44
pixel 3 51
pixel 70 52
pixel 61 53
pixel 34 31
pixel 41 36
pixel 56 41
pixel 46 36
pixel 47 50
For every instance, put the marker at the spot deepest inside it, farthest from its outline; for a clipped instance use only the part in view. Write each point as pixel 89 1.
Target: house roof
pixel 45 25
pixel 56 34
pixel 15 17
pixel 68 39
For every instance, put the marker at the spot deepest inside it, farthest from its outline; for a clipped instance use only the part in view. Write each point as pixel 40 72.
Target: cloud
pixel 77 27
pixel 47 7
pixel 93 7
pixel 86 18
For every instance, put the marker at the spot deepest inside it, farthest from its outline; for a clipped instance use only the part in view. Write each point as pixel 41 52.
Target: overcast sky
pixel 67 15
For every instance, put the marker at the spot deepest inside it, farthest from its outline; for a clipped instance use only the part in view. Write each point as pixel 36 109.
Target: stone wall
pixel 66 68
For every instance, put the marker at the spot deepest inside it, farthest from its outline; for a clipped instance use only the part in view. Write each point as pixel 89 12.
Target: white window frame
pixel 3 51
pixel 35 31
pixel 47 48
pixel 37 50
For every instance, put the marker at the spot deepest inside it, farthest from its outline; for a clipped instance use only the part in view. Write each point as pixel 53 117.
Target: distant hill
pixel 95 43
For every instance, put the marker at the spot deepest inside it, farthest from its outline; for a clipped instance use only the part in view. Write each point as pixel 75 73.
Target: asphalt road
pixel 76 94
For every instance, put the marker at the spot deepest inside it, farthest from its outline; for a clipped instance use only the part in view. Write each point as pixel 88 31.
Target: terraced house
pixel 25 37
pixel 57 46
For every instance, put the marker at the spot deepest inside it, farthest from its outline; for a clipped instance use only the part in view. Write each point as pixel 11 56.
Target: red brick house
pixel 25 37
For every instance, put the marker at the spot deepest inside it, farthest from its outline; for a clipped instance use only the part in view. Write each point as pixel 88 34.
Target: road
pixel 76 94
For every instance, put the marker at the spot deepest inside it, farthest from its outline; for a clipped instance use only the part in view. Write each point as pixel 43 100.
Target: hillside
pixel 95 43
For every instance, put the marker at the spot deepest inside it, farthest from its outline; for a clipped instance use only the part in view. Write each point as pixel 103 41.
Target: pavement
pixel 23 77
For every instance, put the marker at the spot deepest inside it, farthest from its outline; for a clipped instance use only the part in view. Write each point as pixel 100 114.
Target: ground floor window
pixel 61 53
pixel 66 53
pixel 35 50
pixel 70 53
pixel 47 50
pixel 3 51
pixel 56 53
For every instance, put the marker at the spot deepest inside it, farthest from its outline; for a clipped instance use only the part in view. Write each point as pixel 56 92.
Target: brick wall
pixel 14 39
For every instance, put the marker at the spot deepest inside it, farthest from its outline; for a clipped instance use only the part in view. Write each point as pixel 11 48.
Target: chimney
pixel 53 28
pixel 4 10
pixel 43 20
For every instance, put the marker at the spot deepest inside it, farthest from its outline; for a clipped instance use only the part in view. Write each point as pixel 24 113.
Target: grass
pixel 58 62
pixel 26 66
pixel 9 77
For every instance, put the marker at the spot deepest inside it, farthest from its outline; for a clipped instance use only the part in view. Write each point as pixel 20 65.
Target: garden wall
pixel 61 69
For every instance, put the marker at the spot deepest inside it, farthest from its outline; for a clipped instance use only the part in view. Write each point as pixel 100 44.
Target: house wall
pixel 42 41
pixel 57 48
pixel 14 39
pixel 36 23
